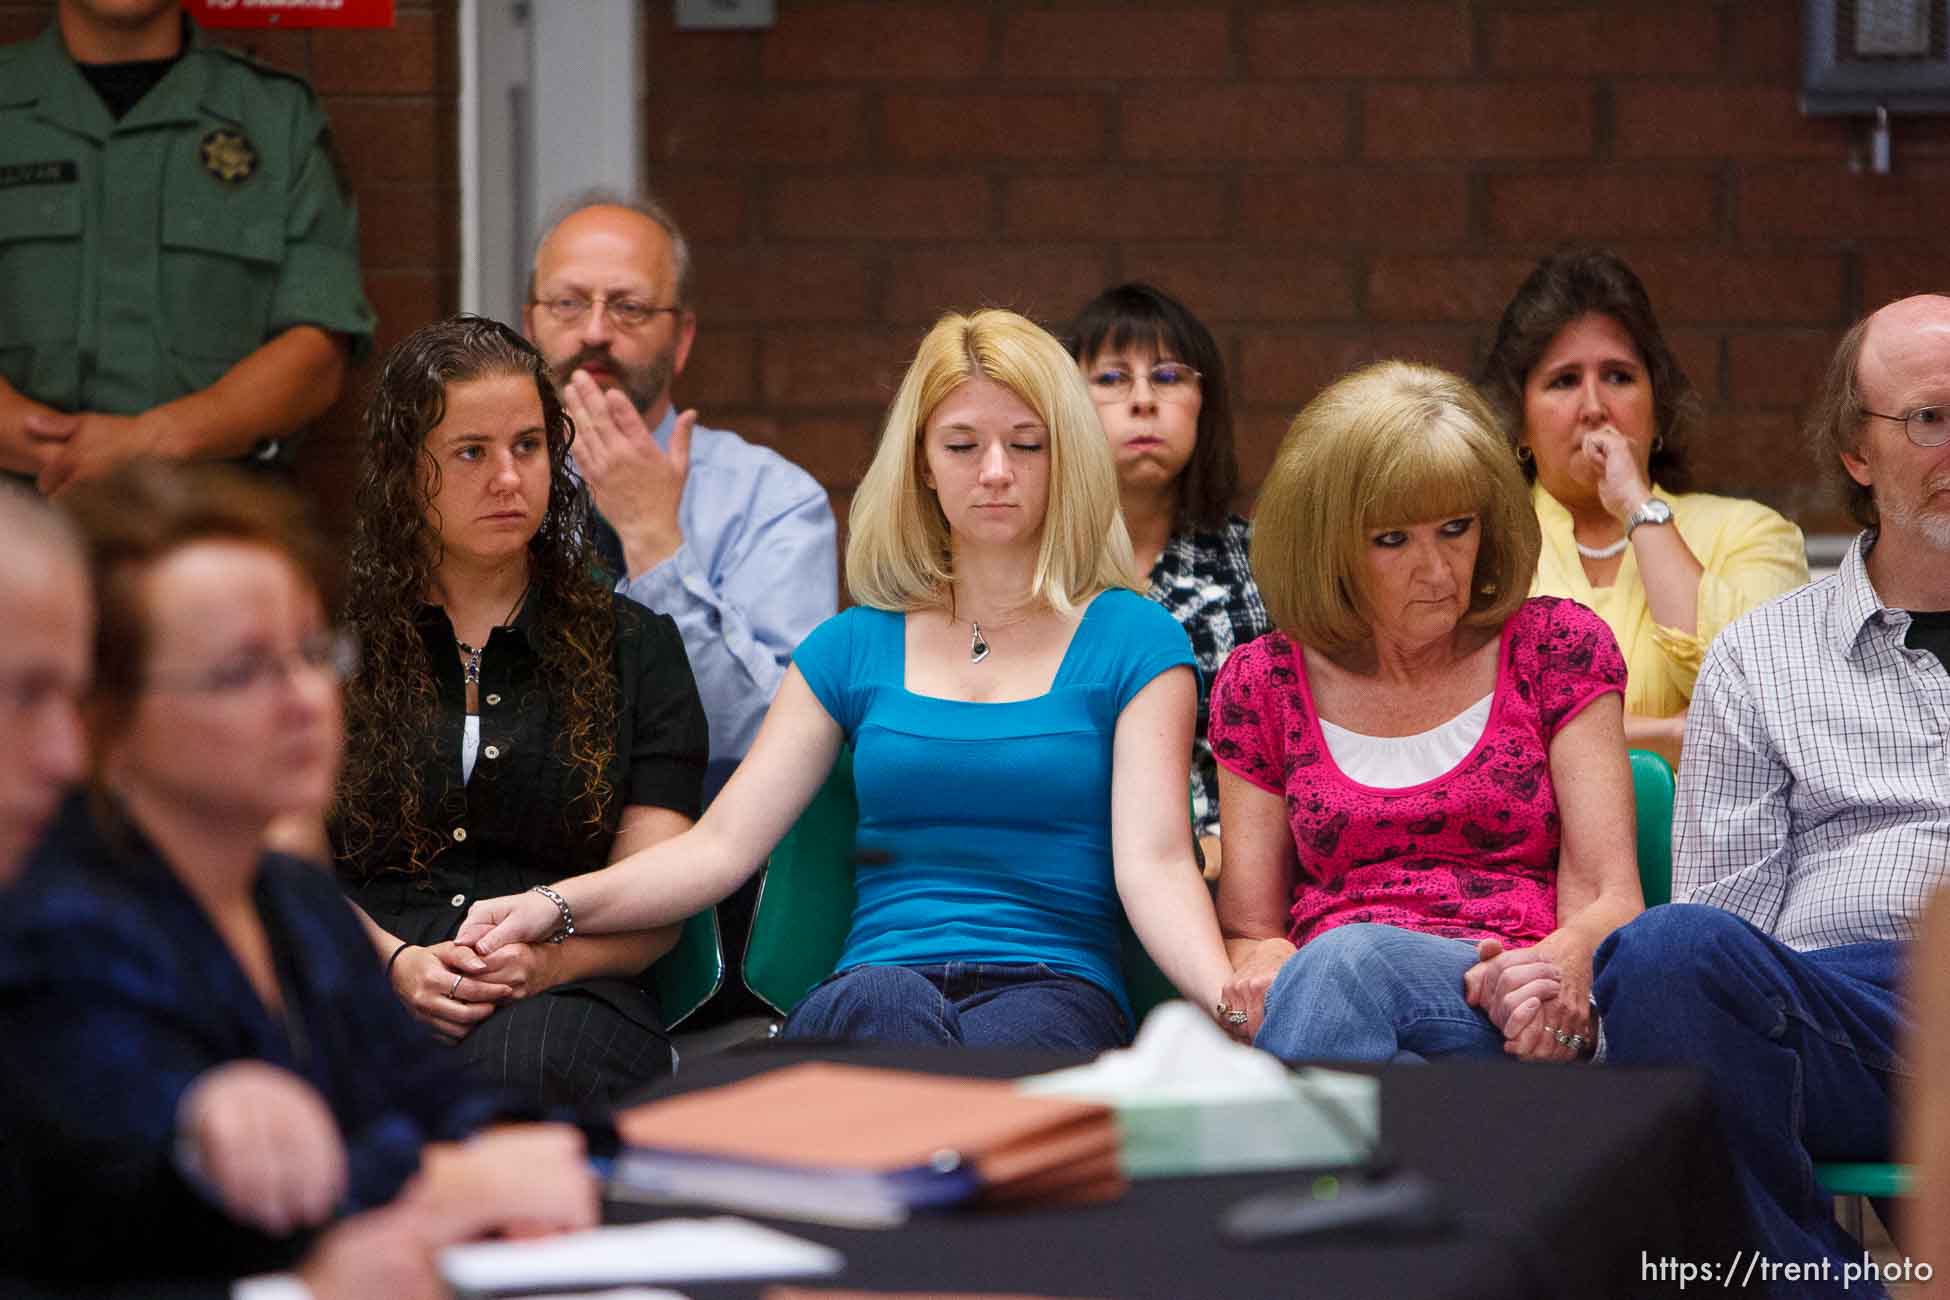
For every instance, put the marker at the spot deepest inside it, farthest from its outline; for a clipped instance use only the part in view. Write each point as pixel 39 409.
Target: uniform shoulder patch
pixel 228 155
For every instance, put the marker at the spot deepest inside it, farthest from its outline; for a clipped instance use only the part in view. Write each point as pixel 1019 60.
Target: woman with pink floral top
pixel 1426 800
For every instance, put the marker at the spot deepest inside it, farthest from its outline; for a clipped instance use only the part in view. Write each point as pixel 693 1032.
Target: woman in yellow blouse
pixel 1598 409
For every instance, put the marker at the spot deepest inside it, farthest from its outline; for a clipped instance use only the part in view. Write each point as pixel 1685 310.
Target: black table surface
pixel 1565 1180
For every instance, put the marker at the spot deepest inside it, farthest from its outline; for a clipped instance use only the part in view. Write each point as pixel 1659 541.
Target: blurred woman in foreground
pixel 155 945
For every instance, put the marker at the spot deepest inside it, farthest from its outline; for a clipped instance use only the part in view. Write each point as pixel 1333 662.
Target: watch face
pixel 1654 511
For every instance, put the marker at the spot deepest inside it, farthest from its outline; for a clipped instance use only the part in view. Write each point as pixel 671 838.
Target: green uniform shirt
pixel 140 259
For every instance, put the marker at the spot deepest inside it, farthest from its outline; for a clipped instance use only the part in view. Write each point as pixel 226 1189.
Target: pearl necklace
pixel 1602 552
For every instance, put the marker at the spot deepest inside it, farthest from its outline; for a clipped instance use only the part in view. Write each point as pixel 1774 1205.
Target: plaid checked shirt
pixel 1206 581
pixel 1814 799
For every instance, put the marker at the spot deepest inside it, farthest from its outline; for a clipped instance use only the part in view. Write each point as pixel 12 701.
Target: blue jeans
pixel 1365 992
pixel 1799 1049
pixel 961 1004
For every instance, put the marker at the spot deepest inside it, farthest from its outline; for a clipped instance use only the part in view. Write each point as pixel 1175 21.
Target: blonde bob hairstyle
pixel 899 555
pixel 1394 443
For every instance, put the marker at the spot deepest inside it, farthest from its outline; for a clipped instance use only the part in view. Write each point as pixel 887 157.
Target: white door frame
pixel 551 104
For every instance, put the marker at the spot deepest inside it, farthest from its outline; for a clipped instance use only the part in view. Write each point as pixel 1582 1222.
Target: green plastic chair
pixel 805 907
pixel 805 902
pixel 1855 1183
pixel 688 975
pixel 1843 1178
pixel 1652 789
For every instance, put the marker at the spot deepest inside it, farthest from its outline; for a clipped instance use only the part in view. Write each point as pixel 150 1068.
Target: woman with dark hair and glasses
pixel 1159 382
pixel 515 721
pixel 1599 412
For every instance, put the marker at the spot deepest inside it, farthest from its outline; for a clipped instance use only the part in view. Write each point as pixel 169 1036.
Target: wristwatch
pixel 1654 511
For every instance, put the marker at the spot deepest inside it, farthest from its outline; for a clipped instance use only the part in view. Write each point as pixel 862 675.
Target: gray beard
pixel 1932 527
pixel 644 385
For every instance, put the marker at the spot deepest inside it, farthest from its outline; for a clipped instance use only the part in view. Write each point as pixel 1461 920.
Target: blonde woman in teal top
pixel 1023 722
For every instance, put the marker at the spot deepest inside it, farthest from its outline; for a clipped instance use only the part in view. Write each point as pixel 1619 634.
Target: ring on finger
pixel 1236 1017
pixel 454 992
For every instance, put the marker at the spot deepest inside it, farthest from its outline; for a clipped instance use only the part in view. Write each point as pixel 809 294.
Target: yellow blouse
pixel 1750 554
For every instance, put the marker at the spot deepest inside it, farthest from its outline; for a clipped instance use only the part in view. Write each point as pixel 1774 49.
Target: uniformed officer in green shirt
pixel 179 256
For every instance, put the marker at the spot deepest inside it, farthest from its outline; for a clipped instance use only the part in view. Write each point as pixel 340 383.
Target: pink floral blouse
pixel 1471 854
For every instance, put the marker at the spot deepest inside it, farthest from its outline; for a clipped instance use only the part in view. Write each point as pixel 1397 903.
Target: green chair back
pixel 805 907
pixel 1652 788
pixel 688 975
pixel 1143 981
pixel 805 903
pixel 1873 1180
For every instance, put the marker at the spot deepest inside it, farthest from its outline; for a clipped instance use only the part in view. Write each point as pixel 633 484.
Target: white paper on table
pixel 668 1250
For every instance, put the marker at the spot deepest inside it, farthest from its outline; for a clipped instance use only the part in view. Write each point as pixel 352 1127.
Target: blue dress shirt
pixel 758 569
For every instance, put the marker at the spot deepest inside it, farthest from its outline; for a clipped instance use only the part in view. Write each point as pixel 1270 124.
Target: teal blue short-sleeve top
pixel 984 830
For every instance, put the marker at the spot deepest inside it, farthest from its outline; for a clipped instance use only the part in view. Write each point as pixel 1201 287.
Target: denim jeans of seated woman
pixel 965 1004
pixel 1365 992
pixel 1800 1050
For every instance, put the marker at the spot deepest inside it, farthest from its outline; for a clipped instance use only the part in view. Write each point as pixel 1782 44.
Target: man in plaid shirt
pixel 1813 817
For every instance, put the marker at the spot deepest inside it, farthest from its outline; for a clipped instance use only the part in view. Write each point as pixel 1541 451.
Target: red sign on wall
pixel 292 13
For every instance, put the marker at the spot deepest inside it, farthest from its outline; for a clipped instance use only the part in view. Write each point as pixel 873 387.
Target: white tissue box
pixel 1331 1118
pixel 1189 1100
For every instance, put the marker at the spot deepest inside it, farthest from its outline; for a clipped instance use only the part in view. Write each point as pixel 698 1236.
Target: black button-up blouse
pixel 519 822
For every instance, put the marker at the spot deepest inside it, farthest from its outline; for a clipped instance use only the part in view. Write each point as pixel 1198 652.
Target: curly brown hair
pixel 391 706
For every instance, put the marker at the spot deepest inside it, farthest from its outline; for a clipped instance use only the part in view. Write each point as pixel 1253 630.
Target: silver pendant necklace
pixel 978 649
pixel 471 669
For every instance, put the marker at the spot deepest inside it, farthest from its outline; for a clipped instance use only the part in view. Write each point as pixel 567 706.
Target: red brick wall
pixel 391 97
pixel 1325 183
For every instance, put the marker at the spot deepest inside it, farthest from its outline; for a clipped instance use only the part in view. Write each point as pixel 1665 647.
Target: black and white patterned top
pixel 1814 797
pixel 1205 579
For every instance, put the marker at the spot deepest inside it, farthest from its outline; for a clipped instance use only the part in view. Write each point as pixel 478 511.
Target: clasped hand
pixel 66 448
pixel 1251 978
pixel 521 919
pixel 1534 994
pixel 450 987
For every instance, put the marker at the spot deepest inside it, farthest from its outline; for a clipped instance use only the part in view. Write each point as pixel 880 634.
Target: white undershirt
pixel 1393 762
pixel 470 745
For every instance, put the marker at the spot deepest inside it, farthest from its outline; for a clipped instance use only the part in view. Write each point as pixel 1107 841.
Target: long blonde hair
pixel 897 552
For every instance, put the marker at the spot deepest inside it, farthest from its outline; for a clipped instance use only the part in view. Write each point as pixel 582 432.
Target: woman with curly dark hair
pixel 513 718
